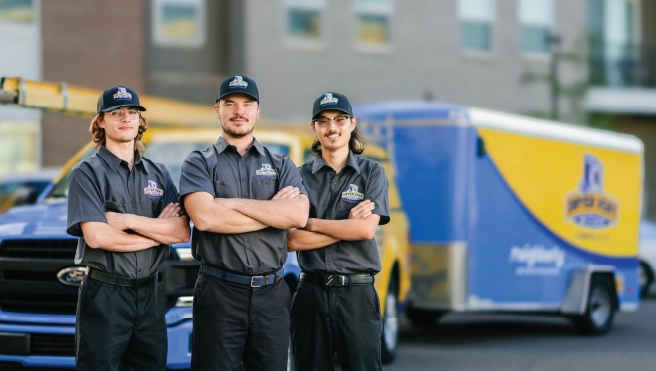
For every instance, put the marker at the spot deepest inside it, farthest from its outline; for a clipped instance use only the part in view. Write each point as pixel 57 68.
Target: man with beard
pixel 336 307
pixel 124 208
pixel 242 199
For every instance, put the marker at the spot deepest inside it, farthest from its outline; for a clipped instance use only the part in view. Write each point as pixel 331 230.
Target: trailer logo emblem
pixel 152 190
pixel 590 206
pixel 71 276
pixel 266 172
pixel 352 195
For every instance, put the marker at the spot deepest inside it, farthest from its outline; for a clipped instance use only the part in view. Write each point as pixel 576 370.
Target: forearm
pixel 282 213
pixel 345 229
pixel 103 236
pixel 302 240
pixel 220 219
pixel 165 230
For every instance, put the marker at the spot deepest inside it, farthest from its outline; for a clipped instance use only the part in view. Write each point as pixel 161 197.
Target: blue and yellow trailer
pixel 514 214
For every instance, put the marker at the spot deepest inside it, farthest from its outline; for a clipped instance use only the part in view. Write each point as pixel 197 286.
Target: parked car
pixel 647 256
pixel 24 188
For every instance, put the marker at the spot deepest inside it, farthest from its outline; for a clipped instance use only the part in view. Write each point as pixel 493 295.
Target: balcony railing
pixel 622 65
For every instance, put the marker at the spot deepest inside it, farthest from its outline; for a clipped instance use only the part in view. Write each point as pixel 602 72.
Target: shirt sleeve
pixel 377 192
pixel 171 194
pixel 290 176
pixel 194 176
pixel 85 201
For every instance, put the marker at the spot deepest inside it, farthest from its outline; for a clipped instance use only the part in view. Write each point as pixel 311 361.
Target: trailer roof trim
pixel 554 130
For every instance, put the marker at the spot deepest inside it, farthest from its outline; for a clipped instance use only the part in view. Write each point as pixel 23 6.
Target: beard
pixel 237 134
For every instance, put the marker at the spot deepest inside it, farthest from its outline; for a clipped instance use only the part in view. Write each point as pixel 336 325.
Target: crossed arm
pixel 287 209
pixel 317 233
pixel 167 228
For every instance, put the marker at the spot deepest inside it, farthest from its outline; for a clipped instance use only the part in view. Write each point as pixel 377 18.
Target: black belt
pixel 337 279
pixel 252 281
pixel 120 281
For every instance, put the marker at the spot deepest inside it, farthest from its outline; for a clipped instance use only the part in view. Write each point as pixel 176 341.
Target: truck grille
pixel 39 303
pixel 38 249
pixel 52 345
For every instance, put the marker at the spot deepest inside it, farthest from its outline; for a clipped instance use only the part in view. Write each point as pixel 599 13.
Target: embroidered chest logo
pixel 122 94
pixel 152 190
pixel 352 195
pixel 266 172
pixel 238 82
pixel 328 100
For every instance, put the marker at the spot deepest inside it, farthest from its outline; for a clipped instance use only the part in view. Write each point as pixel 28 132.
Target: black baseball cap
pixel 329 101
pixel 118 96
pixel 238 84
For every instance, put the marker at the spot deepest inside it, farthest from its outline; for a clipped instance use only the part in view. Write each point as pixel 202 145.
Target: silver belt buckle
pixel 253 279
pixel 342 280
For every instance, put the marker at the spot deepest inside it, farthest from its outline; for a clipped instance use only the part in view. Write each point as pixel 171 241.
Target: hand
pixel 362 210
pixel 288 192
pixel 117 220
pixel 171 210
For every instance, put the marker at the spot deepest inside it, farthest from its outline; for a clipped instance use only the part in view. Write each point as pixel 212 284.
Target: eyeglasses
pixel 117 114
pixel 339 120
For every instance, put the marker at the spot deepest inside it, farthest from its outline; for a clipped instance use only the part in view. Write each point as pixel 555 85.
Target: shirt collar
pixel 351 161
pixel 221 145
pixel 114 161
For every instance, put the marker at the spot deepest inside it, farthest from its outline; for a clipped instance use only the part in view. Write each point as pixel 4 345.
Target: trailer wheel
pixel 422 317
pixel 645 278
pixel 600 309
pixel 390 338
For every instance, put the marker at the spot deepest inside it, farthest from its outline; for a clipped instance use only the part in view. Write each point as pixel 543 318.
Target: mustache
pixel 238 117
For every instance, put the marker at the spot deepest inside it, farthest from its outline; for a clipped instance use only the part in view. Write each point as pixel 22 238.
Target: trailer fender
pixel 576 298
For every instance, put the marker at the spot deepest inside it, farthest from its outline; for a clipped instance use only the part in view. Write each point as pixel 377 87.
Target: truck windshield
pixel 171 154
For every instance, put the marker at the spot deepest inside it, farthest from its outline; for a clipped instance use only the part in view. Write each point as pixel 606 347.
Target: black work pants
pixel 236 325
pixel 336 319
pixel 119 327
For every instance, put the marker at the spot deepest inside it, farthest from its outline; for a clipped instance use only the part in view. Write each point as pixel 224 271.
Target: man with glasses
pixel 242 199
pixel 125 210
pixel 335 308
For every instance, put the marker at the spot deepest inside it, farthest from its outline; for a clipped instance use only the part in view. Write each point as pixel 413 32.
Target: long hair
pixel 357 143
pixel 99 138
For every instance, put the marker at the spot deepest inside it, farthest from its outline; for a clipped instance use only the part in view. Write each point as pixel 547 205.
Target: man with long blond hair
pixel 125 210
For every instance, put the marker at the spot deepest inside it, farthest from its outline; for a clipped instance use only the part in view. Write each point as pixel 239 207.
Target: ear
pixel 353 120
pixel 313 128
pixel 101 122
pixel 216 109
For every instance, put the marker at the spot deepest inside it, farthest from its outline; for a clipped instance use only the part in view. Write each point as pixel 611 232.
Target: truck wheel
pixel 600 309
pixel 421 317
pixel 645 278
pixel 390 337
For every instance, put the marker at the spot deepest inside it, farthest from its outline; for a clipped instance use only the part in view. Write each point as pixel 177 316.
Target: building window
pixel 179 23
pixel 537 19
pixel 16 11
pixel 304 19
pixel 373 22
pixel 476 20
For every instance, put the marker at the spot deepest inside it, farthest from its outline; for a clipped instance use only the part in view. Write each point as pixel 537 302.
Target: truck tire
pixel 645 278
pixel 390 338
pixel 422 317
pixel 600 309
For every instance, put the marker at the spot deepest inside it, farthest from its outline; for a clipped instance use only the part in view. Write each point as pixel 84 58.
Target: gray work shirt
pixel 332 196
pixel 103 182
pixel 222 172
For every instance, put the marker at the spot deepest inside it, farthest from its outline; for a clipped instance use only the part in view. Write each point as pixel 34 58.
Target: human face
pixel 336 132
pixel 121 124
pixel 237 114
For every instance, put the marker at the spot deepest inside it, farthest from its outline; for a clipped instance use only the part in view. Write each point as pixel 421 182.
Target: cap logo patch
pixel 328 100
pixel 152 190
pixel 352 195
pixel 266 172
pixel 122 94
pixel 238 82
